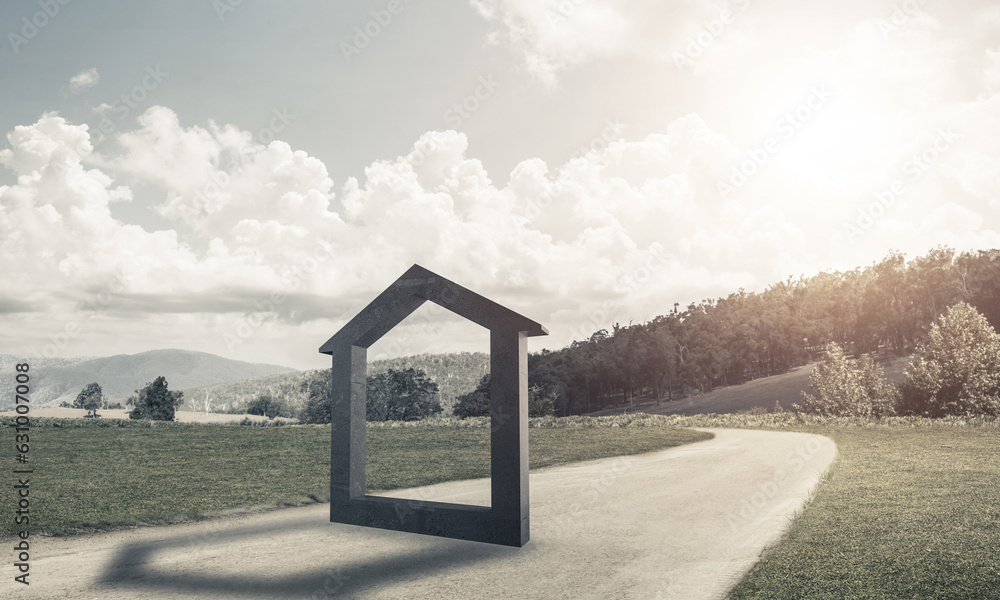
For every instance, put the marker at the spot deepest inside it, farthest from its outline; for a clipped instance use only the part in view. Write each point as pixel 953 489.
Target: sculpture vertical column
pixel 347 412
pixel 509 430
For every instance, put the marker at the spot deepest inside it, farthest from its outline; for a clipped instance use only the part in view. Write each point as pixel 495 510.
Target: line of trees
pixel 477 402
pixel 393 395
pixel 889 305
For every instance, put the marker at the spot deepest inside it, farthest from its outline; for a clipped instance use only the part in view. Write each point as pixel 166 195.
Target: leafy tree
pixel 264 405
pixel 155 401
pixel 395 395
pixel 541 404
pixel 846 388
pixel 476 403
pixel 90 398
pixel 318 389
pixel 956 369
pixel 401 395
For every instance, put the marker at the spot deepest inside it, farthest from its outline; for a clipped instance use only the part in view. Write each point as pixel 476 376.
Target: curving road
pixel 681 523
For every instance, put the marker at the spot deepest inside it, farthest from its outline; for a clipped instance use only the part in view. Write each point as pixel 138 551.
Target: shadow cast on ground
pixel 133 567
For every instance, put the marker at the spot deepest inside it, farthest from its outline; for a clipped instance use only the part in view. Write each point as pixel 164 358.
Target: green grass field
pixel 91 477
pixel 904 513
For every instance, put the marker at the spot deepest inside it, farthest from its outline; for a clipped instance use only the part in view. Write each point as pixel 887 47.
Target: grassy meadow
pixel 904 512
pixel 103 475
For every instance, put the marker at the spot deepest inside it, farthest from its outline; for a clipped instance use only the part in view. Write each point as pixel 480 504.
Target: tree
pixel 846 388
pixel 318 388
pixel 90 398
pixel 956 369
pixel 401 395
pixel 476 403
pixel 395 395
pixel 539 404
pixel 155 401
pixel 264 405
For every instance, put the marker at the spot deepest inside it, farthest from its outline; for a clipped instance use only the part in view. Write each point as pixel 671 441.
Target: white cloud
pixel 84 80
pixel 991 75
pixel 552 35
pixel 619 233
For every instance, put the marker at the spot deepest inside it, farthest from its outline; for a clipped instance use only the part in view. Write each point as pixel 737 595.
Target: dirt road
pixel 681 523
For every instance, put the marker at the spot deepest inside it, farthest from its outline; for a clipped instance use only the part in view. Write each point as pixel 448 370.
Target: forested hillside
pixel 888 305
pixel 455 374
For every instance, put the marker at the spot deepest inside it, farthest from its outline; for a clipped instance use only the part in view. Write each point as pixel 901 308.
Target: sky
pixel 242 177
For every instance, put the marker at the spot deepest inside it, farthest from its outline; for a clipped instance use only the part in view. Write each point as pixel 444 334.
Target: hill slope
pixel 785 389
pixel 57 380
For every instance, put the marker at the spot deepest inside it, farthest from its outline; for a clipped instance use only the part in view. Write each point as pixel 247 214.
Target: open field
pixel 104 477
pixel 121 413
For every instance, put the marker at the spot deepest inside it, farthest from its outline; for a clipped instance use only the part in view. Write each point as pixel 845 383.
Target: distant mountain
pixel 455 373
pixel 56 380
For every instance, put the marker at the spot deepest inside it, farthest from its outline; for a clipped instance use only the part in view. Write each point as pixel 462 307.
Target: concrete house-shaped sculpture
pixel 505 521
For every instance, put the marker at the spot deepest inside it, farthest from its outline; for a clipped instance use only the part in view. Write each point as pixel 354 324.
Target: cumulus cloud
pixel 552 35
pixel 84 80
pixel 267 218
pixel 618 233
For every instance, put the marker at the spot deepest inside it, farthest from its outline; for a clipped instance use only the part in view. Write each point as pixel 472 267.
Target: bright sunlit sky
pixel 243 177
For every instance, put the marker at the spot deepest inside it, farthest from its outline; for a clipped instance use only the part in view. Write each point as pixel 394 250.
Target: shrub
pixel 847 388
pixel 956 369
